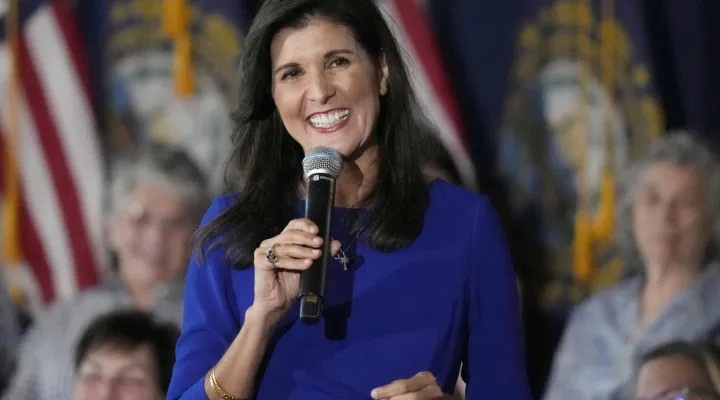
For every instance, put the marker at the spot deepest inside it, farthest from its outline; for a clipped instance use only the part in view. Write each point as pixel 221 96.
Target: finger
pixel 335 247
pixel 432 392
pixel 404 386
pixel 302 224
pixel 287 263
pixel 293 264
pixel 296 236
pixel 289 250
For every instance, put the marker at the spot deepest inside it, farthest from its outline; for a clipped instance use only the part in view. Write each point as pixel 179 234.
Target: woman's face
pixel 151 236
pixel 114 373
pixel 326 87
pixel 666 377
pixel 670 215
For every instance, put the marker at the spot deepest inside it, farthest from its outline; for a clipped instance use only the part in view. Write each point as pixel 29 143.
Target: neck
pixel 357 178
pixel 141 294
pixel 662 284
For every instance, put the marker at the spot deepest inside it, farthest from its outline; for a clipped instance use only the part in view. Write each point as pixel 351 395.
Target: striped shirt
pixel 601 346
pixel 8 335
pixel 46 367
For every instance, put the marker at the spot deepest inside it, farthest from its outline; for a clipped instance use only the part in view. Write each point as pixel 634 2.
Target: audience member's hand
pixel 422 386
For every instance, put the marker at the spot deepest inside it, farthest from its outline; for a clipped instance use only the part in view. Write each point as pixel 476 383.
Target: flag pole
pixel 603 224
pixel 175 23
pixel 11 247
pixel 582 235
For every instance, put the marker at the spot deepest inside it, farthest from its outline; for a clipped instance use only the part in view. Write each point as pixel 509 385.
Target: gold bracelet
pixel 220 391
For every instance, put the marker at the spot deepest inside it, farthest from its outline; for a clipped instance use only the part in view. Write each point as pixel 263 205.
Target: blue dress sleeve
pixel 210 321
pixel 494 366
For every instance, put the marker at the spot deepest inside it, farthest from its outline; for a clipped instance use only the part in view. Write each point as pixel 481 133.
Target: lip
pixel 329 129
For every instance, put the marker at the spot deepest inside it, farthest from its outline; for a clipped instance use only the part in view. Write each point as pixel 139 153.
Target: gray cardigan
pixel 598 353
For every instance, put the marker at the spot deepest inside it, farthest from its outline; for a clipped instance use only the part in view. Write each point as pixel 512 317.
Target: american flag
pixel 59 164
pixel 412 30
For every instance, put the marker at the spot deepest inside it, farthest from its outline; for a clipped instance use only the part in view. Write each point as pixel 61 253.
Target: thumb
pixel 334 247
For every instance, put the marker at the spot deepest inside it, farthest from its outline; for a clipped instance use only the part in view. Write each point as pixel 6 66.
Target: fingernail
pixel 317 240
pixel 308 262
pixel 316 251
pixel 374 394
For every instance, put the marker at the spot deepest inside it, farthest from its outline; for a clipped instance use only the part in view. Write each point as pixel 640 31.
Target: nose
pixel 320 88
pixel 154 234
pixel 668 212
pixel 104 390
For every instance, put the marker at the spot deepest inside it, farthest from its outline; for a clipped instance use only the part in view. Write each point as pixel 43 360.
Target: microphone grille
pixel 322 159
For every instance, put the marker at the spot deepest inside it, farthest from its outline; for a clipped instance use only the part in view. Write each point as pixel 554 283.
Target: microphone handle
pixel 318 209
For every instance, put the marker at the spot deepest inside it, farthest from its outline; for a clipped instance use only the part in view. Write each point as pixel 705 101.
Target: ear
pixel 384 75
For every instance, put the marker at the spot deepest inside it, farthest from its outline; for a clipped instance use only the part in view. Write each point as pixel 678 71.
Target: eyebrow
pixel 329 54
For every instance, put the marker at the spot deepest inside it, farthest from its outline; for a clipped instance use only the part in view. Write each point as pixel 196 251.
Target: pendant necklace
pixel 342 255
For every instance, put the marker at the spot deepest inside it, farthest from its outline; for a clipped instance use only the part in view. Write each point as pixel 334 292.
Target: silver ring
pixel 271 257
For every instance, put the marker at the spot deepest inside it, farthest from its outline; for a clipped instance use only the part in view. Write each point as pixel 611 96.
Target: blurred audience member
pixel 679 371
pixel 669 229
pixel 156 201
pixel 8 334
pixel 125 355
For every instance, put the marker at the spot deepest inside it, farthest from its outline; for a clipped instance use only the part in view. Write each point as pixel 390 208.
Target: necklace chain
pixel 342 255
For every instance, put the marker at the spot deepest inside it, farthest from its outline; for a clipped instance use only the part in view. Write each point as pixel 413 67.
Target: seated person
pixel 125 355
pixel 156 201
pixel 679 370
pixel 668 225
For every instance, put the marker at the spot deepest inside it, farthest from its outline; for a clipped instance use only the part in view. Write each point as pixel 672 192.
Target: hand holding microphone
pixel 293 264
pixel 294 250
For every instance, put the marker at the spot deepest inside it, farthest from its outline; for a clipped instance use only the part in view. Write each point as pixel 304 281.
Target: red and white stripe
pixel 412 30
pixel 61 166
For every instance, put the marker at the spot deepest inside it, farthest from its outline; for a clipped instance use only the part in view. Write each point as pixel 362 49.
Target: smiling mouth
pixel 329 121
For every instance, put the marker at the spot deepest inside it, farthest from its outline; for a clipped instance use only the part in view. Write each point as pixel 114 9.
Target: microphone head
pixel 322 160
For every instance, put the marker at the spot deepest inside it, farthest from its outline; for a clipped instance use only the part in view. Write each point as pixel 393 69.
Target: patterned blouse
pixel 46 367
pixel 601 345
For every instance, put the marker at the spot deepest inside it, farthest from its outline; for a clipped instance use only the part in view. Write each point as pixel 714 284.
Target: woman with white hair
pixel 668 224
pixel 156 200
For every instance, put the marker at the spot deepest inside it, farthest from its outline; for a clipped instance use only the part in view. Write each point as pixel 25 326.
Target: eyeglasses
pixel 139 217
pixel 686 393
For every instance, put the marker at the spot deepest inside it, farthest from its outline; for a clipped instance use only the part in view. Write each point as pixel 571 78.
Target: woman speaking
pixel 421 282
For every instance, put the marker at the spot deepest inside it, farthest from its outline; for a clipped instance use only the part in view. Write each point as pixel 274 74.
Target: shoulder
pixel 606 304
pixel 72 314
pixel 456 204
pixel 89 299
pixel 444 194
pixel 219 205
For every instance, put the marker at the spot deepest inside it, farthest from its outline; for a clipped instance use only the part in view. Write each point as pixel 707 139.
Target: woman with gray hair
pixel 155 202
pixel 668 224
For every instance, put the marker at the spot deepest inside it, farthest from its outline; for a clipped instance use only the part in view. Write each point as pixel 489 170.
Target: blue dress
pixel 447 299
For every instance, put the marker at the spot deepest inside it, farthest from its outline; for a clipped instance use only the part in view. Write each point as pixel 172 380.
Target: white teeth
pixel 329 119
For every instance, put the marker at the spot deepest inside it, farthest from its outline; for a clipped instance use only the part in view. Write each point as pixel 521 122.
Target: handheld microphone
pixel 322 166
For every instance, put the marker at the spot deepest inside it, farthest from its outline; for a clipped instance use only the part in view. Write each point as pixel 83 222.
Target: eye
pixel 290 74
pixel 338 62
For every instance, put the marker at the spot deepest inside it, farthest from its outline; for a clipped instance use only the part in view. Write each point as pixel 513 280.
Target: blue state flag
pixel 562 97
